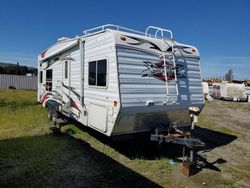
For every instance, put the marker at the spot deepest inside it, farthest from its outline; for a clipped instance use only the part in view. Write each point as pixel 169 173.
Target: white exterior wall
pixel 75 77
pixel 99 47
pixel 56 75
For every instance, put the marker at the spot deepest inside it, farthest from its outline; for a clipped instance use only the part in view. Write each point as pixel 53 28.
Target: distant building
pixel 30 74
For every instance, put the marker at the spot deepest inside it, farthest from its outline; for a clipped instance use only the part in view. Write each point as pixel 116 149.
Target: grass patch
pixel 26 149
pixel 228 104
pixel 206 121
pixel 30 156
pixel 27 160
pixel 17 98
pixel 210 122
pixel 226 183
pixel 34 157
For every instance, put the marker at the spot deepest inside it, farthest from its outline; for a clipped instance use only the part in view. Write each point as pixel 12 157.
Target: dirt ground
pixel 225 127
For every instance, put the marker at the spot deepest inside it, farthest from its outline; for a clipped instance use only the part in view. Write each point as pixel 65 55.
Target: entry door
pixel 66 85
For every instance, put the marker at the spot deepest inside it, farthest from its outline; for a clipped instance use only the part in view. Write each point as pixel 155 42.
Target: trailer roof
pixel 124 37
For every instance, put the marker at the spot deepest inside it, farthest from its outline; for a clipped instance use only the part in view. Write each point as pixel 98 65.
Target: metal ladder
pixel 171 57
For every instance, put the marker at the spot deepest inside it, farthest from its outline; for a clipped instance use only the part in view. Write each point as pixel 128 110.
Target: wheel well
pixel 52 104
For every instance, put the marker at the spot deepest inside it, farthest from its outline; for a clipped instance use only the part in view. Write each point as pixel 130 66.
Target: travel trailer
pixel 120 82
pixel 206 91
pixel 229 91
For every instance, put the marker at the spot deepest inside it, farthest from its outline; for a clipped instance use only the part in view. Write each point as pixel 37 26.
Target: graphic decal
pixel 139 41
pixel 43 54
pixel 156 70
pixel 57 97
pixel 72 89
pixel 143 41
pixel 71 103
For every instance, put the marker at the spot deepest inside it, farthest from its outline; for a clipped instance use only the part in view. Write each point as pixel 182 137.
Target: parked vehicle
pixel 120 81
pixel 229 91
pixel 206 91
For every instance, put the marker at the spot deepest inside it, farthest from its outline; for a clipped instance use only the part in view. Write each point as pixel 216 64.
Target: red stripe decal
pixel 44 97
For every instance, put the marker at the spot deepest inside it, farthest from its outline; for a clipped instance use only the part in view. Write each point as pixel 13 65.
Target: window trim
pixel 107 71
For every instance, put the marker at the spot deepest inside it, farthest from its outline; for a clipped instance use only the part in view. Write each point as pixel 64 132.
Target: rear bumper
pixel 138 120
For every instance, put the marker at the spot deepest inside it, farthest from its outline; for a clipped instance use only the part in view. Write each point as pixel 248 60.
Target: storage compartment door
pixel 98 117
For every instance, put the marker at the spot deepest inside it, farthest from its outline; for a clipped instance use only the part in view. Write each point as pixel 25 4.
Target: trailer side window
pixel 101 72
pixel 98 73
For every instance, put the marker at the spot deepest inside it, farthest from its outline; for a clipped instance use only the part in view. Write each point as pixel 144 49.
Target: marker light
pixel 123 38
pixel 115 103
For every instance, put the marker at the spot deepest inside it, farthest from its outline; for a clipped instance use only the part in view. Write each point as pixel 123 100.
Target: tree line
pixel 17 69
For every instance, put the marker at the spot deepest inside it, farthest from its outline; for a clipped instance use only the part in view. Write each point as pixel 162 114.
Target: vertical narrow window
pixel 49 80
pixel 66 71
pixel 41 76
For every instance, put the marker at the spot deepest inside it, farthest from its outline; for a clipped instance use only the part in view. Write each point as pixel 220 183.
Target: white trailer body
pixel 120 82
pixel 229 91
pixel 206 91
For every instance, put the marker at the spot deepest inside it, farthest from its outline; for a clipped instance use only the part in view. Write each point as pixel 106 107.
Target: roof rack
pixel 110 26
pixel 120 28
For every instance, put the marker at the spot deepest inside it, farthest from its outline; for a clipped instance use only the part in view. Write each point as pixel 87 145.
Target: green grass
pixel 21 115
pixel 31 156
pixel 26 149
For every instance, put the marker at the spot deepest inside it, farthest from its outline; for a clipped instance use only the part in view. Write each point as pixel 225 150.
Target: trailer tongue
pixel 182 138
pixel 186 140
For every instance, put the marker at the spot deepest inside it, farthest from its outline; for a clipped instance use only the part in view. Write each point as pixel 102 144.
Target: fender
pixel 51 103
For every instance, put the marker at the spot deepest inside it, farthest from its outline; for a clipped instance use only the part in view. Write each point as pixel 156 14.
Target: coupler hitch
pixel 188 143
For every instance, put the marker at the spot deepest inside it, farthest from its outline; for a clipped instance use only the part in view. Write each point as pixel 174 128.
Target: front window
pixel 98 73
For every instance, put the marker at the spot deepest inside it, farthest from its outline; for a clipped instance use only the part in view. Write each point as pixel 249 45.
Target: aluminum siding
pixel 100 47
pixel 136 90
